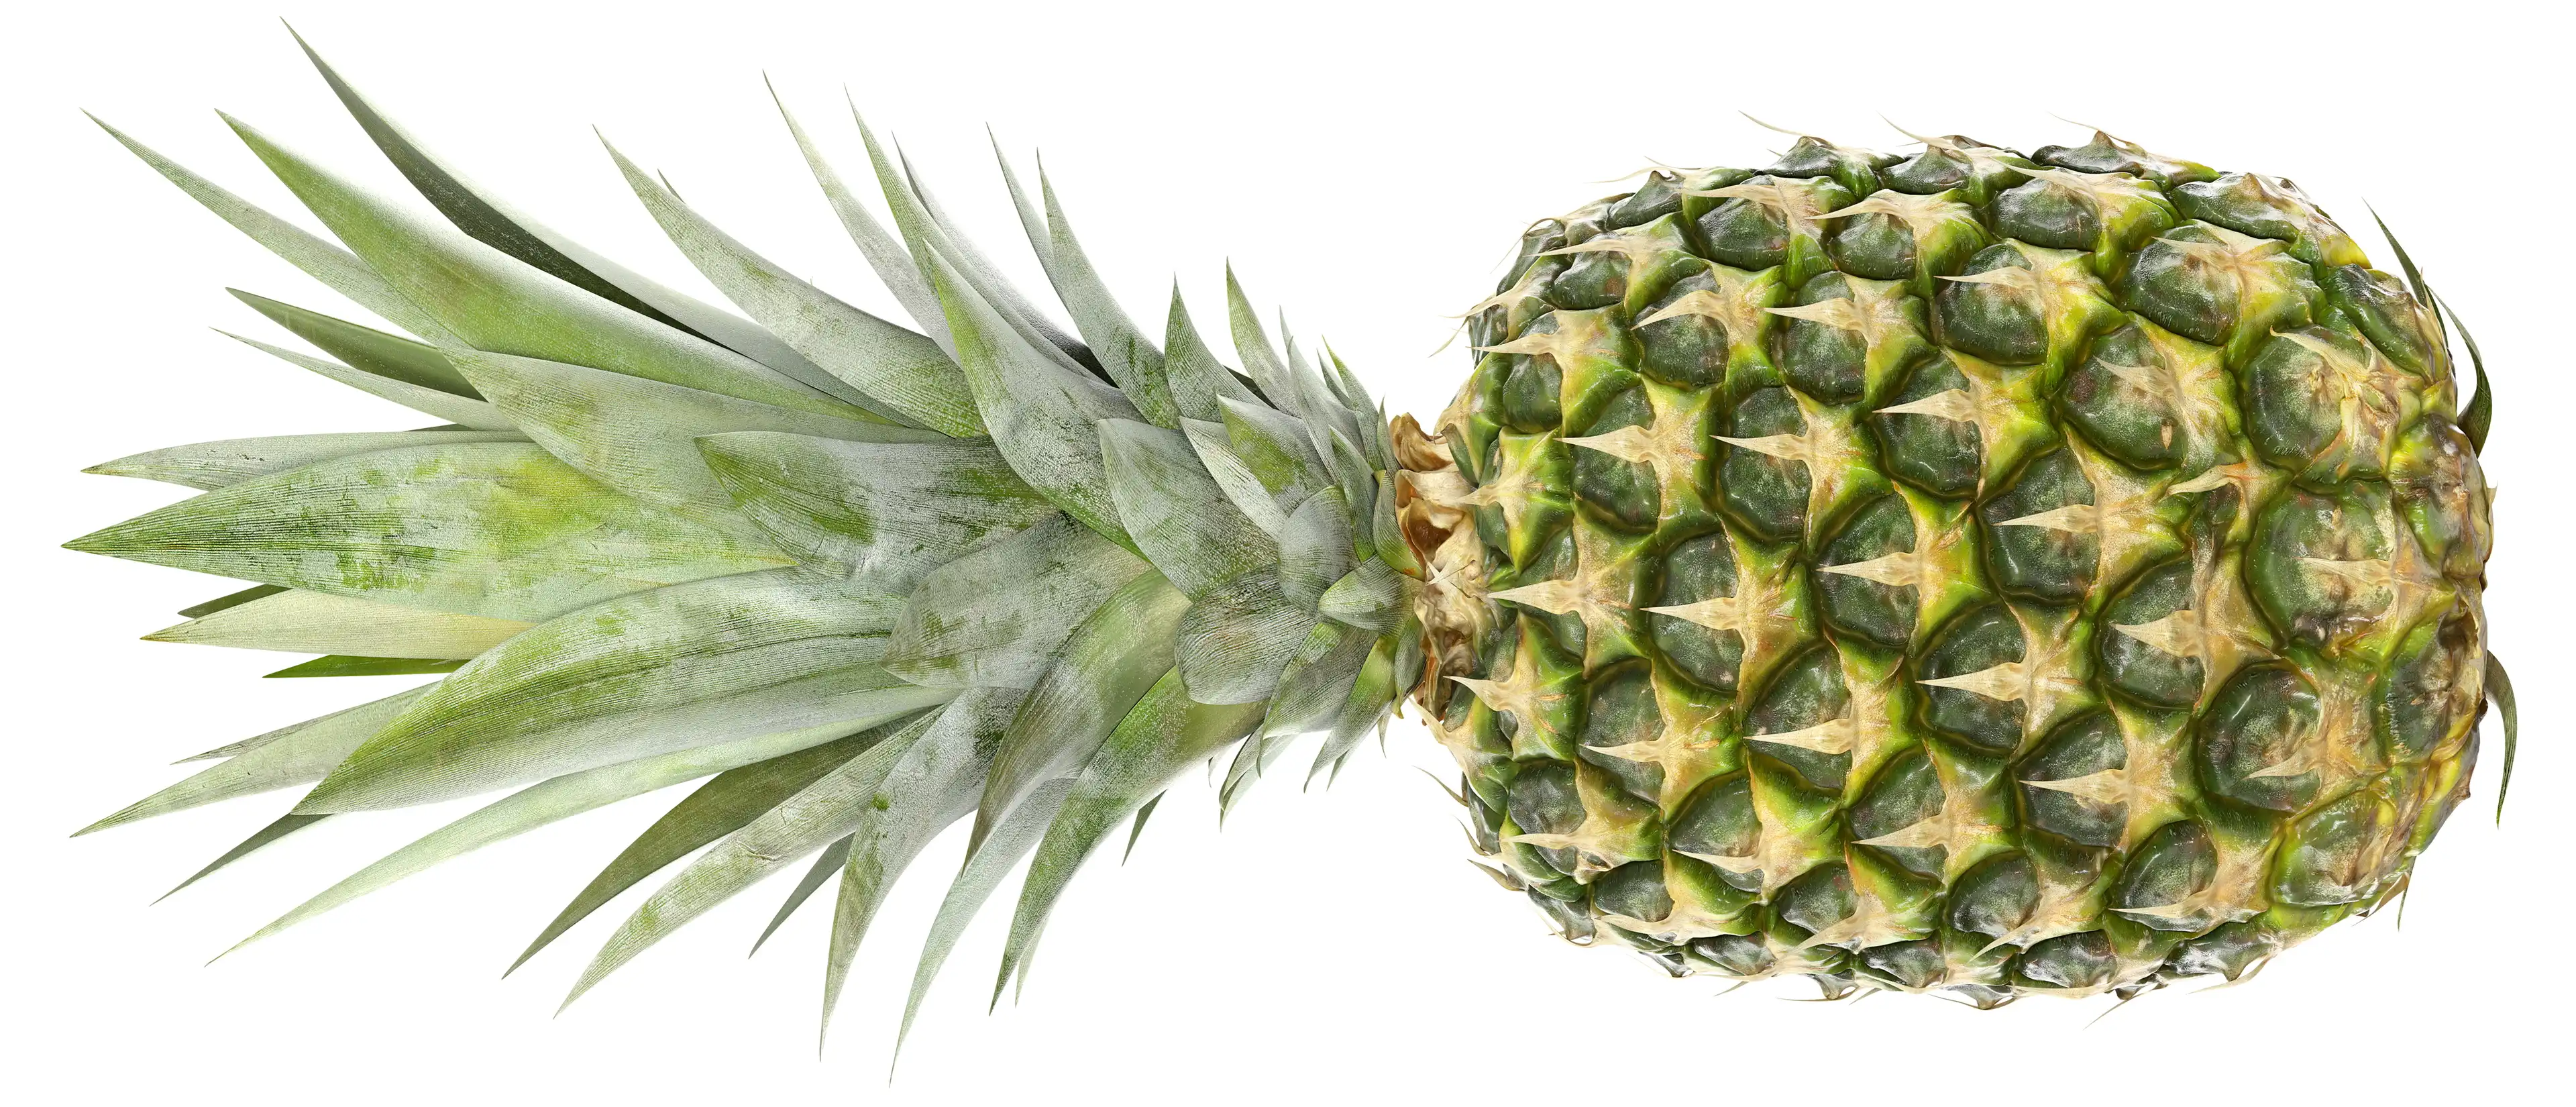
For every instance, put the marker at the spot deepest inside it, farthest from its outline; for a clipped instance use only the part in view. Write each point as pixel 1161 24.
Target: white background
pixel 1367 166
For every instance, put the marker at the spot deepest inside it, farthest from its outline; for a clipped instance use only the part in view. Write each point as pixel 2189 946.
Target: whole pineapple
pixel 1967 571
pixel 2054 573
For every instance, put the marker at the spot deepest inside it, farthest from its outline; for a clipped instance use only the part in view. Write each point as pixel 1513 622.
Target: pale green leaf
pixel 1277 449
pixel 1180 520
pixel 1197 379
pixel 1372 598
pixel 464 411
pixel 878 360
pixel 552 801
pixel 988 281
pixel 347 665
pixel 984 871
pixel 1124 352
pixel 884 512
pixel 287 756
pixel 1260 359
pixel 497 529
pixel 1164 733
pixel 498 303
pixel 1112 658
pixel 1315 547
pixel 996 615
pixel 823 811
pixel 210 465
pixel 638 676
pixel 365 348
pixel 640 436
pixel 316 622
pixel 1365 702
pixel 717 808
pixel 1237 637
pixel 322 259
pixel 229 599
pixel 884 251
pixel 827 864
pixel 2500 689
pixel 1215 449
pixel 259 839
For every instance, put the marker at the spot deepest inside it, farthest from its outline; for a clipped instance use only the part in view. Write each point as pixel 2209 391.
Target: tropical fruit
pixel 1973 571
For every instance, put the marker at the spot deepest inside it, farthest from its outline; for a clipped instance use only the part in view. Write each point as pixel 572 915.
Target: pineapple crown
pixel 868 578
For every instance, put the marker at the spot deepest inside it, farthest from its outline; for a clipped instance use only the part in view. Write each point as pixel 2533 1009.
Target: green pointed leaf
pixel 1179 518
pixel 1372 598
pixel 995 616
pixel 933 784
pixel 885 512
pixel 211 465
pixel 1161 736
pixel 640 436
pixel 987 279
pixel 2500 689
pixel 1044 417
pixel 827 864
pixel 642 675
pixel 462 410
pixel 342 665
pixel 1198 381
pixel 1215 449
pixel 822 812
pixel 322 259
pixel 2480 409
pixel 1109 663
pixel 1315 548
pixel 1125 353
pixel 1237 637
pixel 1260 359
pixel 550 802
pixel 1277 449
pixel 885 251
pixel 1137 829
pixel 316 622
pixel 499 303
pixel 498 529
pixel 1318 683
pixel 287 756
pixel 1386 533
pixel 985 868
pixel 488 220
pixel 1364 703
pixel 365 348
pixel 877 361
pixel 230 599
pixel 259 839
pixel 717 808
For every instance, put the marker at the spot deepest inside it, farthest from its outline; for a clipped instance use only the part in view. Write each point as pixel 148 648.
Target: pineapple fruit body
pixel 1973 571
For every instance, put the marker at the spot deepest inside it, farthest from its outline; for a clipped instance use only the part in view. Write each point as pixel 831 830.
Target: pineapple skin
pixel 2051 574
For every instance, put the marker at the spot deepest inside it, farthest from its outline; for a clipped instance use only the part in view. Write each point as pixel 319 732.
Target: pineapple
pixel 1969 571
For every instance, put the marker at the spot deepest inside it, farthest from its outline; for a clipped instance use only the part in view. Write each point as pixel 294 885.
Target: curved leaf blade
pixel 880 511
pixel 995 616
pixel 206 466
pixel 316 622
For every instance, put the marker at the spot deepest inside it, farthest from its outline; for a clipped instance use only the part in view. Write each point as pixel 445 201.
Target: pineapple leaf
pixel 496 302
pixel 259 839
pixel 639 436
pixel 933 784
pixel 890 511
pixel 210 465
pixel 553 801
pixel 1198 381
pixel 1235 639
pixel 462 410
pixel 296 621
pixel 365 348
pixel 320 258
pixel 884 251
pixel 2481 407
pixel 2500 689
pixel 1275 446
pixel 1113 658
pixel 827 864
pixel 1365 701
pixel 1162 735
pixel 995 616
pixel 987 279
pixel 815 816
pixel 639 676
pixel 1136 830
pixel 1318 681
pixel 1236 479
pixel 985 868
pixel 512 233
pixel 291 755
pixel 1315 548
pixel 1179 517
pixel 342 665
pixel 520 534
pixel 717 808
pixel 1044 417
pixel 1259 358
pixel 230 599
pixel 1125 353
pixel 869 361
